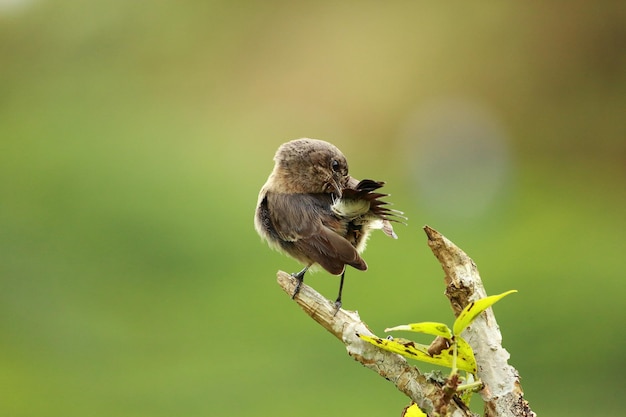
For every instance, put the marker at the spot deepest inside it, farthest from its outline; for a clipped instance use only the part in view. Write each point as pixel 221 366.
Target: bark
pixel 502 391
pixel 347 325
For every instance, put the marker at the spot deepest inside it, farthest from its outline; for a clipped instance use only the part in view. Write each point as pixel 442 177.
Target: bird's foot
pixel 299 276
pixel 337 306
pixel 298 285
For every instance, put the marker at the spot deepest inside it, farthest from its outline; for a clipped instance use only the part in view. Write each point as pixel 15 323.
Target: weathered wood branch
pixel 502 394
pixel 346 325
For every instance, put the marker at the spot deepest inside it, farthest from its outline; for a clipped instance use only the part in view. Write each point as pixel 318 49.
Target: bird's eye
pixel 335 166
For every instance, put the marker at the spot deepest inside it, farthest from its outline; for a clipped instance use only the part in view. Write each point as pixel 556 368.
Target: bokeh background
pixel 134 137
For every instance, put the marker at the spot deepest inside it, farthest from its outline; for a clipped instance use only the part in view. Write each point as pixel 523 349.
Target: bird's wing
pixel 307 222
pixel 331 251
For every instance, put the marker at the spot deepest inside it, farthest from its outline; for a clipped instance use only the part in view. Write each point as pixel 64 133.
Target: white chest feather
pixel 350 208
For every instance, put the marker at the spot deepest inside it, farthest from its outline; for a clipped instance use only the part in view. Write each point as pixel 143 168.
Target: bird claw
pixel 337 307
pixel 298 285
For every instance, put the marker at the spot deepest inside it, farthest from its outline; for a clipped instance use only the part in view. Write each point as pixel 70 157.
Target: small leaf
pixel 468 388
pixel 465 355
pixel 427 327
pixel 413 411
pixel 417 351
pixel 473 309
pixel 404 347
pixel 465 396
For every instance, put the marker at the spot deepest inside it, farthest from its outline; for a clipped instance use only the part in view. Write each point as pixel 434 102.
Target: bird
pixel 311 209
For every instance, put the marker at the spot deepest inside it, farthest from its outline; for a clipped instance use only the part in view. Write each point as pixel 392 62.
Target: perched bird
pixel 311 209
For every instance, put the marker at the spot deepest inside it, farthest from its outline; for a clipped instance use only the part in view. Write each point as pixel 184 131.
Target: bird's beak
pixel 335 187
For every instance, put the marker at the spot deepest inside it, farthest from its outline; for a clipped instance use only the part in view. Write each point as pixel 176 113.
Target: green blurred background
pixel 134 137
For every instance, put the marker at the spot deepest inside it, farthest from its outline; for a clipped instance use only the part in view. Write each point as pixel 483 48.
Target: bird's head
pixel 311 166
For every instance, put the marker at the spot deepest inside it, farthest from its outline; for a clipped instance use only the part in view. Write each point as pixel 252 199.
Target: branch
pixel 346 325
pixel 502 394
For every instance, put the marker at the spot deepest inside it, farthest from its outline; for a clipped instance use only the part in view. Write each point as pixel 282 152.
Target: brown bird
pixel 311 209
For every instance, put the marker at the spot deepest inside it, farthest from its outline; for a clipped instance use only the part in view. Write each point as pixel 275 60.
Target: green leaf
pixel 427 327
pixel 404 347
pixel 465 355
pixel 465 396
pixel 473 309
pixel 417 351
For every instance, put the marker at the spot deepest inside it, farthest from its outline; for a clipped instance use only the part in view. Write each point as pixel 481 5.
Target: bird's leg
pixel 299 276
pixel 338 300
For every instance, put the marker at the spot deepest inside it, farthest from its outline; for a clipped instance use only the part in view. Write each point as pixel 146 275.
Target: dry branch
pixel 502 394
pixel 346 325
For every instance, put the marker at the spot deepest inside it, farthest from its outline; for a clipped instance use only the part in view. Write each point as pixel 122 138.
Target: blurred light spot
pixel 458 155
pixel 14 6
